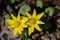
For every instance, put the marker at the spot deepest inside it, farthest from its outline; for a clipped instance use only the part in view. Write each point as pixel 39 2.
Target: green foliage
pixel 39 3
pixel 50 11
pixel 18 0
pixel 12 1
pixel 24 8
pixel 25 34
pixel 7 16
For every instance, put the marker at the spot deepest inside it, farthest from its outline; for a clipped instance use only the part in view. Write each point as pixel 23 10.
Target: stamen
pixel 17 23
pixel 32 21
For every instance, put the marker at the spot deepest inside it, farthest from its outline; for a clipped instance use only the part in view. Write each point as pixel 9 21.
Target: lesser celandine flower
pixel 17 24
pixel 34 21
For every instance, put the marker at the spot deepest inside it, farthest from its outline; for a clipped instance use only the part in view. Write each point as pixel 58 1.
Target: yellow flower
pixel 17 24
pixel 34 21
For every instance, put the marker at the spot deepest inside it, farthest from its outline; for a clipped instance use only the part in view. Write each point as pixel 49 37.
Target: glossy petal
pixel 13 17
pixel 24 20
pixel 30 30
pixel 37 27
pixel 34 13
pixel 40 15
pixel 18 24
pixel 15 31
pixel 18 17
pixel 40 22
pixel 19 31
pixel 20 27
pixel 11 27
pixel 27 23
pixel 24 25
pixel 28 15
pixel 9 21
pixel 34 21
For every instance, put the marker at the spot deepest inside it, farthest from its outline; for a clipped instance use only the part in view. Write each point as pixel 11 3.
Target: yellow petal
pixel 30 30
pixel 20 27
pixel 34 13
pixel 18 17
pixel 11 27
pixel 24 20
pixel 15 32
pixel 40 15
pixel 13 17
pixel 9 21
pixel 40 22
pixel 27 23
pixel 37 27
pixel 19 31
pixel 28 15
pixel 23 25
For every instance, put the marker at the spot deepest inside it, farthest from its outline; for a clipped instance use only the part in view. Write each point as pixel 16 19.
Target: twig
pixel 16 7
pixel 9 9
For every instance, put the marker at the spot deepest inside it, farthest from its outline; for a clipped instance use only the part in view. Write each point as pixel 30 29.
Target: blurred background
pixel 51 31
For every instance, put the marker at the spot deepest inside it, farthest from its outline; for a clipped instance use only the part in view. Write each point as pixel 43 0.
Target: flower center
pixel 32 21
pixel 17 23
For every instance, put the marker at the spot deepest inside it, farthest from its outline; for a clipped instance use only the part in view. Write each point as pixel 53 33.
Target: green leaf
pixel 24 8
pixel 39 3
pixel 18 0
pixel 7 16
pixel 50 11
pixel 25 34
pixel 12 1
